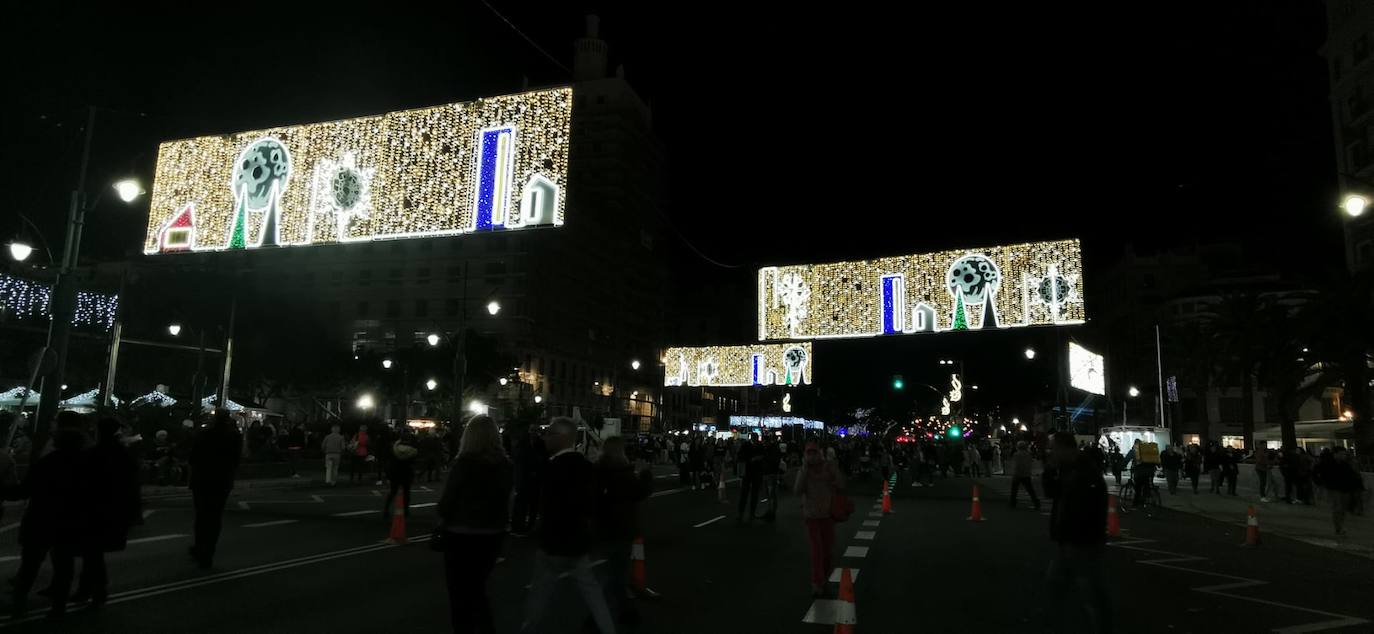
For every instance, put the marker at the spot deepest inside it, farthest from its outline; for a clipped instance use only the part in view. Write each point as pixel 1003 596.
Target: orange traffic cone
pixel 887 498
pixel 398 522
pixel 638 576
pixel 977 514
pixel 1252 537
pixel 846 616
pixel 1113 520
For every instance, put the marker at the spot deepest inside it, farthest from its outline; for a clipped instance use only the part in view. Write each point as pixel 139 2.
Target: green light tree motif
pixel 236 238
pixel 960 316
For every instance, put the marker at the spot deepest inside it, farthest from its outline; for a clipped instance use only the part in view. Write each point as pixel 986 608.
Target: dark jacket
pixel 112 484
pixel 617 504
pixel 215 457
pixel 1080 502
pixel 567 505
pixel 475 495
pixel 400 469
pixel 1171 460
pixel 55 486
pixel 1340 476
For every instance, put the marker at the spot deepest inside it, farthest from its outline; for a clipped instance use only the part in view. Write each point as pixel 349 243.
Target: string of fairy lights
pixel 27 299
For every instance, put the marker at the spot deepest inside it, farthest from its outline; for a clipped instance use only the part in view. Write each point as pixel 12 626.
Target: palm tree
pixel 1290 373
pixel 1244 335
pixel 1195 344
pixel 1343 332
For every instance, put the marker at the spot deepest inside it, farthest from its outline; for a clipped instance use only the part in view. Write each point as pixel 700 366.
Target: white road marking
pixel 830 612
pixel 243 506
pixel 425 505
pixel 865 535
pixel 853 575
pixel 145 515
pixel 710 521
pixel 376 493
pixel 856 551
pixel 1337 620
pixel 156 538
pixel 873 523
pixel 353 513
pixel 876 514
pixel 274 523
pixel 317 499
pixel 681 489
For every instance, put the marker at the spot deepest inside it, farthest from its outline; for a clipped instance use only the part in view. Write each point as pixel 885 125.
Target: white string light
pixel 739 366
pixel 26 299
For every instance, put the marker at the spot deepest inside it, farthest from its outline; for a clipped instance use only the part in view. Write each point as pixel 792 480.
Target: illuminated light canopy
pixel 758 364
pixel 86 400
pixel 1087 370
pixel 31 300
pixel 207 404
pixel 492 164
pixel 154 398
pixel 1033 284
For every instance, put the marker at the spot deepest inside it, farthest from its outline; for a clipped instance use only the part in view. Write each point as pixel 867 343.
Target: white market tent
pixel 207 404
pixel 86 401
pixel 154 398
pixel 12 396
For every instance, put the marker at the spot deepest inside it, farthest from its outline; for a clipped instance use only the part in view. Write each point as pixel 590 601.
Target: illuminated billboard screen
pixel 1035 284
pixel 1087 370
pixel 759 364
pixel 494 164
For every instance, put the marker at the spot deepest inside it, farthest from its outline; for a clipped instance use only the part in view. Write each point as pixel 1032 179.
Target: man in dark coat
pixel 214 459
pixel 1078 526
pixel 113 498
pixel 56 517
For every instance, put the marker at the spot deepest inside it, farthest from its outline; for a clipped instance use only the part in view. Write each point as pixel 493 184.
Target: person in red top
pixel 358 448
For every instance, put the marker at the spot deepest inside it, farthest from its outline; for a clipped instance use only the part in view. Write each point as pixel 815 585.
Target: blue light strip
pixel 488 171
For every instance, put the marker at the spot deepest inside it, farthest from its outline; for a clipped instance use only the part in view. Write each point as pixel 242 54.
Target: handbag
pixel 841 506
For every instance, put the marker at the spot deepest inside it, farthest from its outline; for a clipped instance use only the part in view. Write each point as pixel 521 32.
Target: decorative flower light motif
pixel 341 189
pixel 708 370
pixel 793 292
pixel 975 278
pixel 1056 289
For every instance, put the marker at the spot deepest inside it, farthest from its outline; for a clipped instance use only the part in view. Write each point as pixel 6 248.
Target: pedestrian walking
pixel 56 519
pixel 332 446
pixel 985 455
pixel 383 439
pixel 1142 472
pixel 295 446
pixel 752 456
pixel 818 481
pixel 472 518
pixel 1021 462
pixel 358 455
pixel 1230 469
pixel 1078 529
pixel 431 455
pixel 1118 463
pixel 565 533
pixel 1172 462
pixel 1262 459
pixel 400 470
pixel 113 498
pixel 997 460
pixel 774 466
pixel 1192 466
pixel 214 459
pixel 1211 463
pixel 622 489
pixel 1344 485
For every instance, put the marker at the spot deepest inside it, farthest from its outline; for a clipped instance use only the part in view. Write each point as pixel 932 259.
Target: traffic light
pixel 955 432
pixel 897 382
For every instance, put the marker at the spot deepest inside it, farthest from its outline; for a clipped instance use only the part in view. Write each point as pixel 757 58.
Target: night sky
pixel 792 136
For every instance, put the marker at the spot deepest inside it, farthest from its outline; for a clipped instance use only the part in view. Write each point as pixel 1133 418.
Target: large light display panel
pixel 494 164
pixel 736 366
pixel 1087 370
pixel 1013 286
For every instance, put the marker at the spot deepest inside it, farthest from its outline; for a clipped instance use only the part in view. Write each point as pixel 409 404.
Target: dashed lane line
pixel 856 551
pixel 835 575
pixel 708 522
pixel 273 523
pixel 868 535
pixel 353 513
pixel 873 523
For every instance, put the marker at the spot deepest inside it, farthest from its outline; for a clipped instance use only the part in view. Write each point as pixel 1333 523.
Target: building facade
pixel 1349 52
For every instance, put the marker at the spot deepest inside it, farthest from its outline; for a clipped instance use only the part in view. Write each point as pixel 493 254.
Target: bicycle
pixel 1150 502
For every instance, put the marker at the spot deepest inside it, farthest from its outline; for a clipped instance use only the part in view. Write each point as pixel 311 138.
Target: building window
pixel 421 308
pixel 1230 407
pixel 452 307
pixel 455 274
pixel 422 275
pixel 495 268
pixel 1192 439
pixel 362 310
pixel 336 277
pixel 1233 442
pixel 393 308
pixel 364 277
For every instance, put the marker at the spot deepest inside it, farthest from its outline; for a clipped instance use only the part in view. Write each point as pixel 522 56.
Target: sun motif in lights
pixel 342 190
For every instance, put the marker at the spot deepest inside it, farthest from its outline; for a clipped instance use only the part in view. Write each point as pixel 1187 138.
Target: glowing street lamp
pixel 365 402
pixel 503 380
pixel 174 329
pixel 128 190
pixel 433 339
pixel 1133 391
pixel 431 384
pixel 538 399
pixel 20 250
pixel 493 307
pixel 1030 354
pixel 477 407
pixel 634 365
pixel 386 364
pixel 1354 205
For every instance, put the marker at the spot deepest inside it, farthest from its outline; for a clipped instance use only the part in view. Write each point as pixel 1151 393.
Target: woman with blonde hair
pixel 472 515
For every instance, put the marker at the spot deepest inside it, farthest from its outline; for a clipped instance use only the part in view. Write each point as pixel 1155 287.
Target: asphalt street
pixel 311 559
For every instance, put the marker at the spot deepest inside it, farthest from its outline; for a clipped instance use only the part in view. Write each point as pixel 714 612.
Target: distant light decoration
pixel 1087 370
pixel 207 404
pixel 991 288
pixel 739 366
pixel 774 422
pixel 25 299
pixel 787 402
pixel 493 164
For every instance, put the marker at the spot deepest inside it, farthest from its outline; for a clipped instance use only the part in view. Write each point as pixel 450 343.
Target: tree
pixel 1196 344
pixel 1240 322
pixel 1291 375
